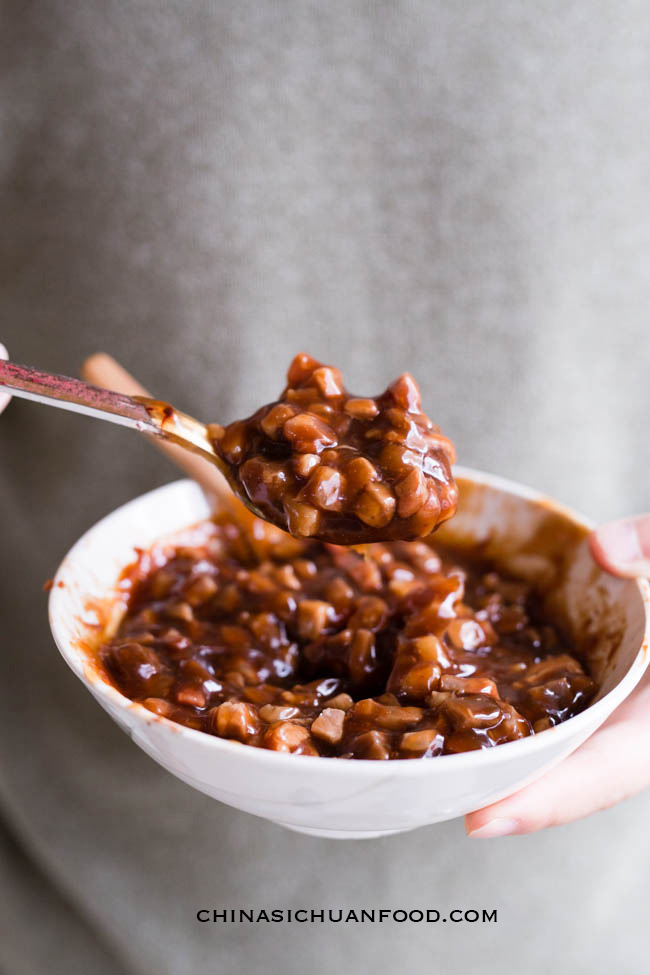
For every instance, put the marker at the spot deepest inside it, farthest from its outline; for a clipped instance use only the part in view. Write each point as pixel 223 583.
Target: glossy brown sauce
pixel 320 462
pixel 299 646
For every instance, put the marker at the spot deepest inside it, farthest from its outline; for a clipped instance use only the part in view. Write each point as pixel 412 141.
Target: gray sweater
pixel 204 188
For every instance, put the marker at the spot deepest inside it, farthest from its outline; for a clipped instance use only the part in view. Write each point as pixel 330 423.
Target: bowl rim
pixel 565 731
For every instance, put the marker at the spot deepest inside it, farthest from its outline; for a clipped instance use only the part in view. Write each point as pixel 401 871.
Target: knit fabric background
pixel 204 188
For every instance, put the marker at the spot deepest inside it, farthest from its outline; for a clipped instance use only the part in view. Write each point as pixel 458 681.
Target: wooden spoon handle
pixel 102 370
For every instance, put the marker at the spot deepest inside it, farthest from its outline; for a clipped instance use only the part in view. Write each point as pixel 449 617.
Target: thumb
pixel 623 547
pixel 4 397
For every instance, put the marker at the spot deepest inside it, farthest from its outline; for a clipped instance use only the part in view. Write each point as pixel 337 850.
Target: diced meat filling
pixel 311 649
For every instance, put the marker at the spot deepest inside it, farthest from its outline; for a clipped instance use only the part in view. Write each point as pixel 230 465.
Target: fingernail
pixel 4 397
pixel 493 828
pixel 620 541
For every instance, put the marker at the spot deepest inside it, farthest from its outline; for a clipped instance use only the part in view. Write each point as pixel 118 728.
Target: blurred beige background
pixel 202 189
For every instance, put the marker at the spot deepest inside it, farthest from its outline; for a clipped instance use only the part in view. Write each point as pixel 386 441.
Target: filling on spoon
pixel 323 463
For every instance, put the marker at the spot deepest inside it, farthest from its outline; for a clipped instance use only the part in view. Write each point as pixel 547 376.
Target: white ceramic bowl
pixel 355 799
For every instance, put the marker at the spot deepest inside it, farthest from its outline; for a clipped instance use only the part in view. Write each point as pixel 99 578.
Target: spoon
pixel 345 470
pixel 142 413
pixel 101 369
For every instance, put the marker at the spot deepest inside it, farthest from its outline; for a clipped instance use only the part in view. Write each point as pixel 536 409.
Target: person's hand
pixel 615 762
pixel 4 397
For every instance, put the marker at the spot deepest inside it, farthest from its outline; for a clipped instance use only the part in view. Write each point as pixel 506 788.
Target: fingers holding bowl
pixel 4 397
pixel 623 547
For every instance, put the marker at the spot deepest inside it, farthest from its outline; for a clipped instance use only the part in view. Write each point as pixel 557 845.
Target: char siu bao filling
pixel 346 469
pixel 299 646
